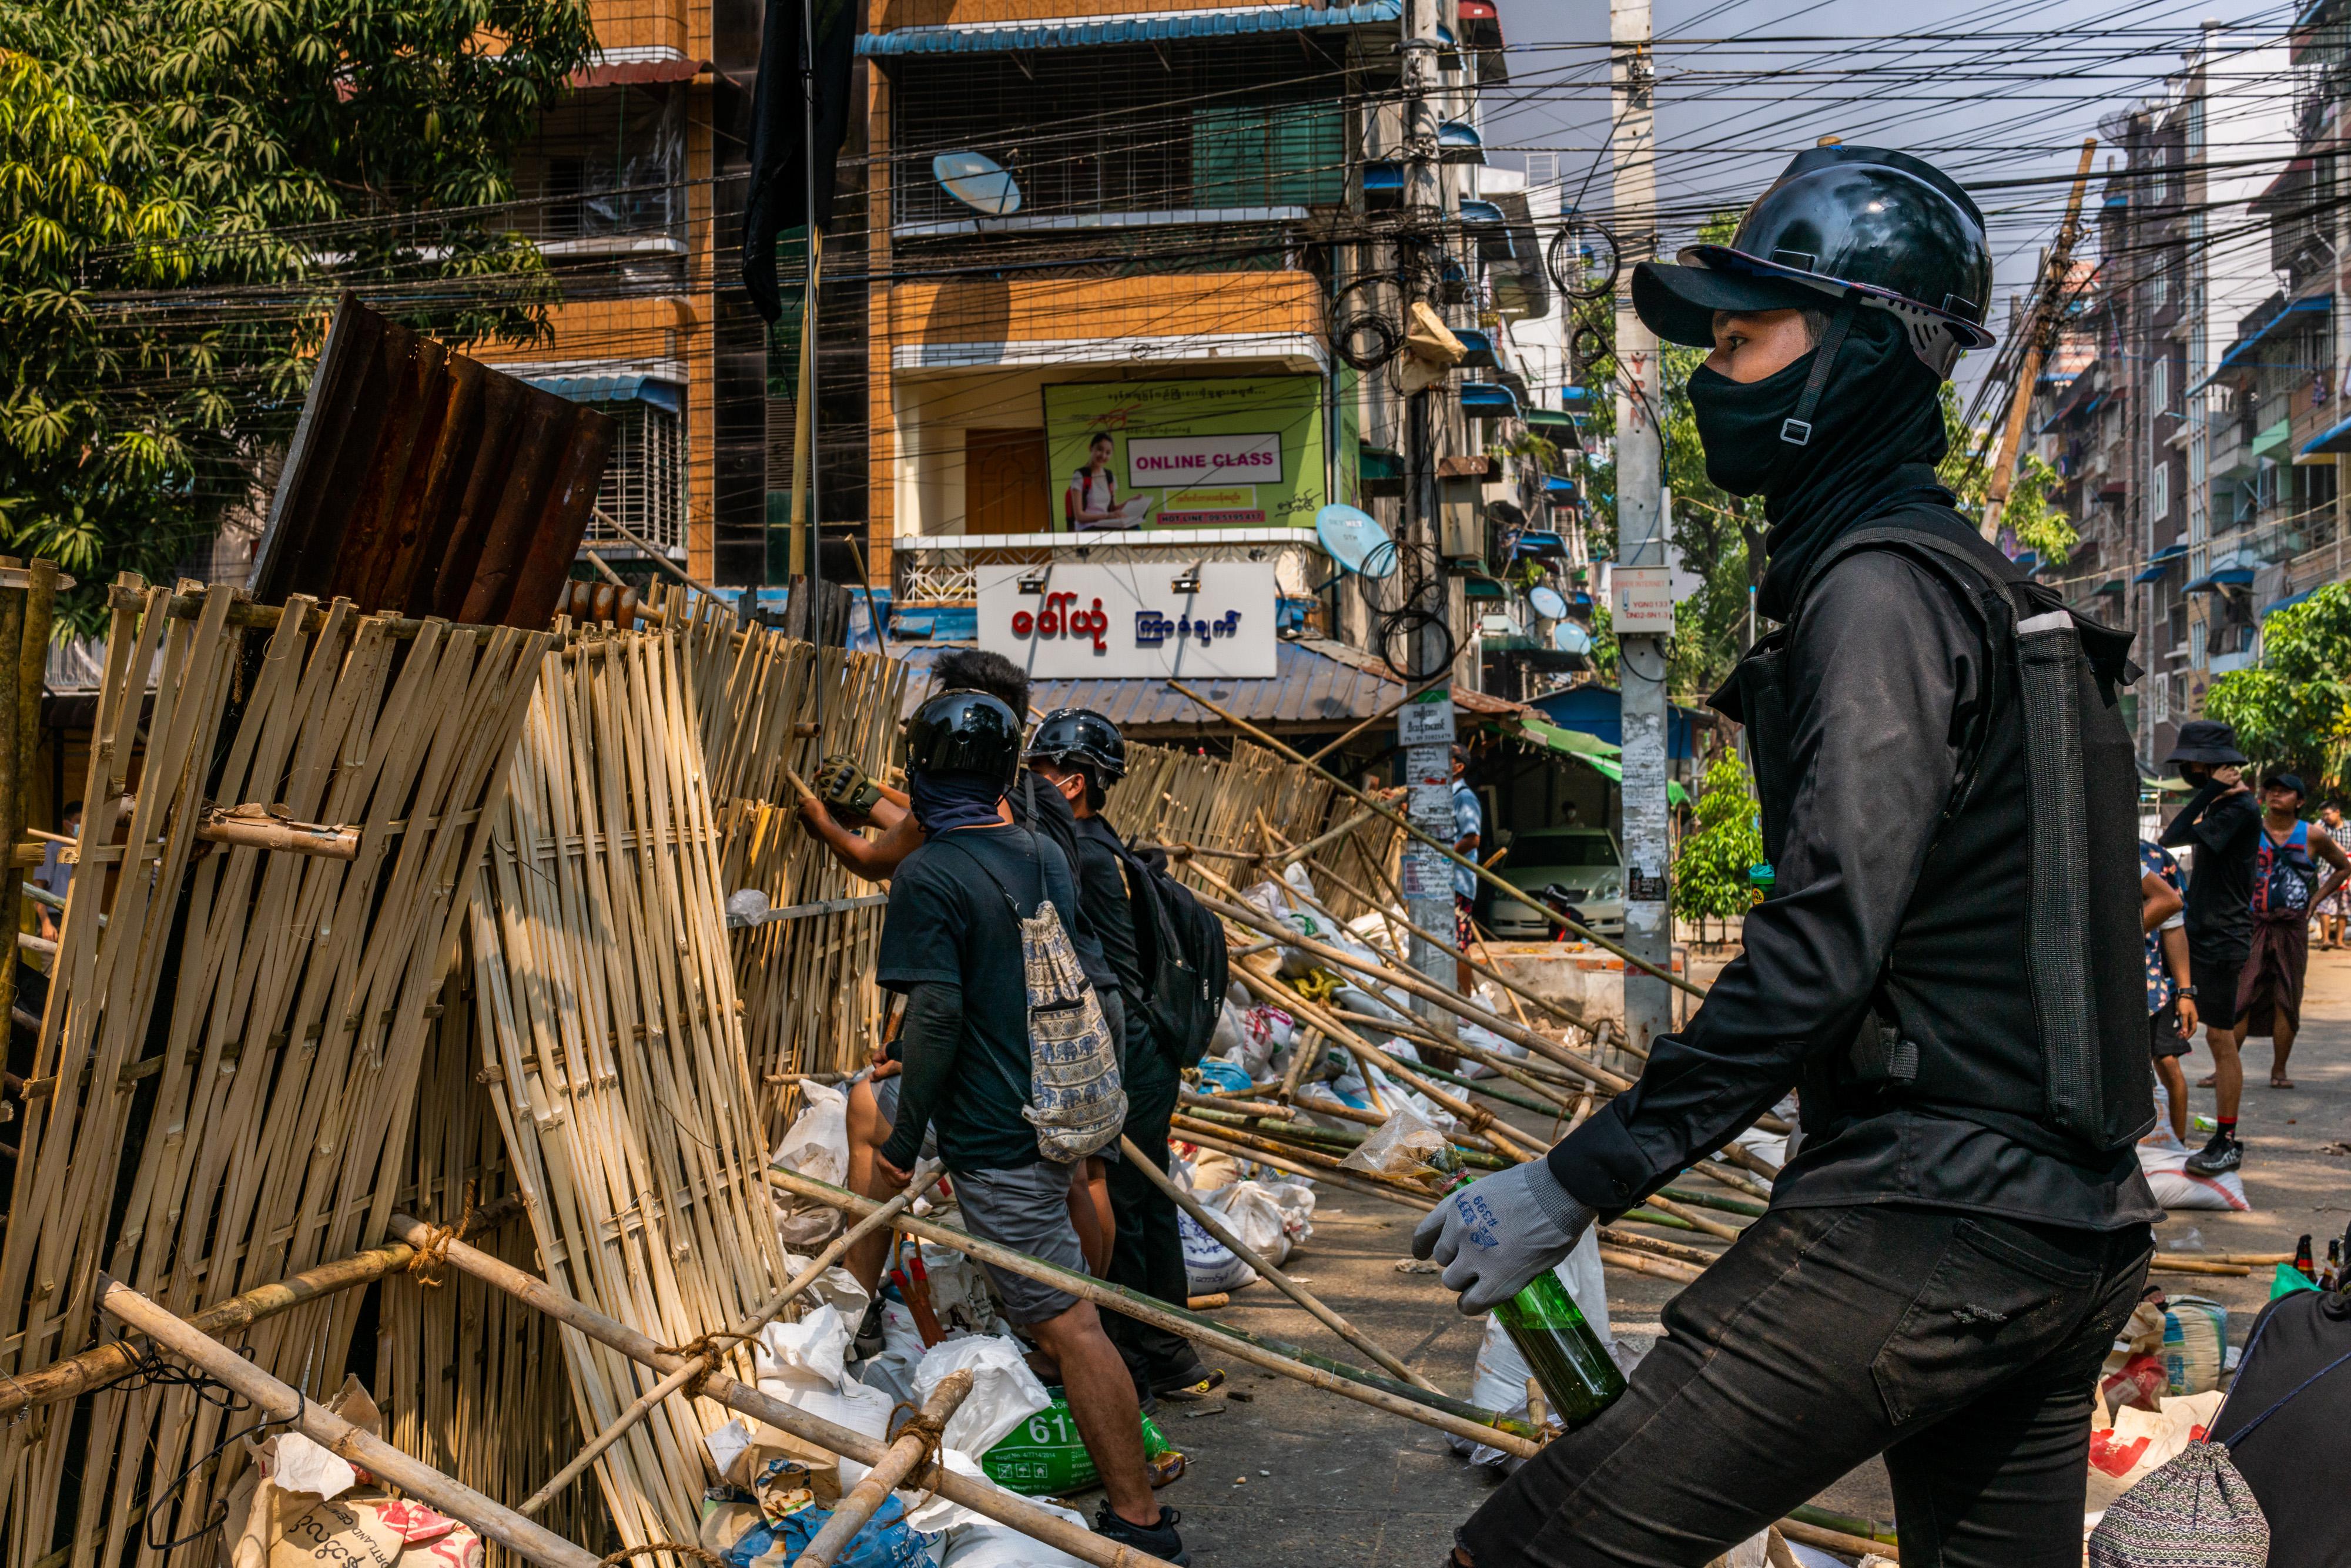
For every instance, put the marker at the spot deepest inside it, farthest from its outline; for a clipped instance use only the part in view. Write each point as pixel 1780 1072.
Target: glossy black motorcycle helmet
pixel 965 732
pixel 1079 737
pixel 1892 232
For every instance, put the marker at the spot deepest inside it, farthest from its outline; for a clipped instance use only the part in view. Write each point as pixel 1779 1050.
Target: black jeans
pixel 1963 1348
pixel 1147 1254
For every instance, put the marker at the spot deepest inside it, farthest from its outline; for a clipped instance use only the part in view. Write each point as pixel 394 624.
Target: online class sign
pixel 1236 453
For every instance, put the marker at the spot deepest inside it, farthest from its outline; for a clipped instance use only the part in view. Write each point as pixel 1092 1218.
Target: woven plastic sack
pixel 1044 1456
pixel 2196 1512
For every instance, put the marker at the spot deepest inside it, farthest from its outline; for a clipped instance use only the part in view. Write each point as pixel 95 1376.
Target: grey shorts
pixel 1026 1209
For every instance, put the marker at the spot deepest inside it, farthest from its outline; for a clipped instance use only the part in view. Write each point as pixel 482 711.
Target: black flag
pixel 779 199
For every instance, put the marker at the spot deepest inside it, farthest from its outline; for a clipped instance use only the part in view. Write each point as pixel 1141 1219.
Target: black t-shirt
pixel 948 922
pixel 2225 831
pixel 2293 1461
pixel 1103 893
pixel 1052 818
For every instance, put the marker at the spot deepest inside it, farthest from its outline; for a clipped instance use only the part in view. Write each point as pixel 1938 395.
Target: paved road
pixel 1350 1488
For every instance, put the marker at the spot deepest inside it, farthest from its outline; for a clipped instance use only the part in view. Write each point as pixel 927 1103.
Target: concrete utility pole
pixel 1425 729
pixel 1642 609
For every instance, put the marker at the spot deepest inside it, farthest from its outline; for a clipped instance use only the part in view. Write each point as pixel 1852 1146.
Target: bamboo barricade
pixel 696 1365
pixel 613 1043
pixel 915 1448
pixel 981 1497
pixel 1214 1224
pixel 1440 1411
pixel 285 998
pixel 767 706
pixel 286 1405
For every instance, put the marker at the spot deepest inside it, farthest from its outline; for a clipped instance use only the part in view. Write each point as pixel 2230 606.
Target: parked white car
pixel 1585 861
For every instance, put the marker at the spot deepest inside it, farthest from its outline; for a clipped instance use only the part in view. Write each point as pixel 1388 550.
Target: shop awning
pixel 629 388
pixel 2227 577
pixel 2292 599
pixel 1488 400
pixel 1163 26
pixel 2160 563
pixel 1552 423
pixel 1573 741
pixel 2335 438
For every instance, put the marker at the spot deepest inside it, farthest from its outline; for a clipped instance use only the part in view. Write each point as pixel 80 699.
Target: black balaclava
pixel 942 802
pixel 1877 434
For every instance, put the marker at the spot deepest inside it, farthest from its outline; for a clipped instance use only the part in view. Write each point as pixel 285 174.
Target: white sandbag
pixel 1251 1213
pixel 1499 1380
pixel 816 1146
pixel 2164 1158
pixel 836 1285
pixel 2137 1442
pixel 1209 1265
pixel 1003 1392
pixel 806 1364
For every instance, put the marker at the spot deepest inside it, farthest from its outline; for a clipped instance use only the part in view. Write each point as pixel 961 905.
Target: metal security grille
pixel 1241 123
pixel 645 485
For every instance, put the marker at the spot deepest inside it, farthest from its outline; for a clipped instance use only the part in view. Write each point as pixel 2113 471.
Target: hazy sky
pixel 1996 91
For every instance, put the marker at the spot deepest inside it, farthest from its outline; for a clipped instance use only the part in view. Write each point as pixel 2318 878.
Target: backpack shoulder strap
pixel 991 876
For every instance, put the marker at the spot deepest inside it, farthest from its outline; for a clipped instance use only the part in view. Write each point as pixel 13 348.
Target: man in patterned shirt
pixel 2170 998
pixel 2331 908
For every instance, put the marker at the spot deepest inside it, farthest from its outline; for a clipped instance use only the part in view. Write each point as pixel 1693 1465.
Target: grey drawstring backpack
pixel 2197 1510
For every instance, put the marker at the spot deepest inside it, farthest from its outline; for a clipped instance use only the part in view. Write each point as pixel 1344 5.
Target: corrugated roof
pixel 424 482
pixel 1074 33
pixel 1311 690
pixel 635 73
pixel 629 388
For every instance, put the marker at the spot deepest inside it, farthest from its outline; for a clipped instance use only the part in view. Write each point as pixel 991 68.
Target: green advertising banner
pixel 1244 452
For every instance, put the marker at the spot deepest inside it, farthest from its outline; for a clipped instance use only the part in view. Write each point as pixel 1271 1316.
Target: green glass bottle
pixel 1577 1374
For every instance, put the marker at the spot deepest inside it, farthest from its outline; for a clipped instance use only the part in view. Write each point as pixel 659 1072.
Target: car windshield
pixel 1563 849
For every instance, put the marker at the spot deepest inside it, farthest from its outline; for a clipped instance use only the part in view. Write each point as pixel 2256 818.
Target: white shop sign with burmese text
pixel 1132 621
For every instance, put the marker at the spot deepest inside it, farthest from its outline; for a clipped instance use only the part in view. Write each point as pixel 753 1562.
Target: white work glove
pixel 1501 1231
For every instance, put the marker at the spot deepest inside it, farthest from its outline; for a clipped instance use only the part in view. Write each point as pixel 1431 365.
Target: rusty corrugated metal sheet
pixel 424 482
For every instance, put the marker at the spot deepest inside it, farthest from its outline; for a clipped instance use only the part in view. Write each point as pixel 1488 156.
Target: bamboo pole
pixel 759 1318
pixel 1642 1263
pixel 286 1405
pixel 1692 1218
pixel 1559 1096
pixel 1214 1224
pixel 2171 1263
pixel 116 1359
pixel 1347 1179
pixel 1361 799
pixel 1446 1414
pixel 909 1451
pixel 980 1496
pixel 1388 712
pixel 1405 980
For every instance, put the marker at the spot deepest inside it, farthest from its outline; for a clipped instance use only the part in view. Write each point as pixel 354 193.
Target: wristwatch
pixel 2187 991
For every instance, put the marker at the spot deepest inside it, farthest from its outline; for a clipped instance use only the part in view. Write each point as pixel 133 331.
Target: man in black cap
pixel 1948 969
pixel 2287 886
pixel 2223 823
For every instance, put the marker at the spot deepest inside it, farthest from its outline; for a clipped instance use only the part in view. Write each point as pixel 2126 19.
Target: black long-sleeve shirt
pixel 1873 889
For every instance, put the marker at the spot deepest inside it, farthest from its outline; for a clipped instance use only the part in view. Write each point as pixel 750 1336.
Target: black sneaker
pixel 1160 1540
pixel 2219 1158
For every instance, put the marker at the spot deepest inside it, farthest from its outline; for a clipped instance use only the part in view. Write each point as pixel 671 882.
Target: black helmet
pixel 1883 228
pixel 965 732
pixel 1084 736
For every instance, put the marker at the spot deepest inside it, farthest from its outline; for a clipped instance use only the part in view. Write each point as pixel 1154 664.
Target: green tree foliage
pixel 185 185
pixel 1710 872
pixel 2032 511
pixel 2294 709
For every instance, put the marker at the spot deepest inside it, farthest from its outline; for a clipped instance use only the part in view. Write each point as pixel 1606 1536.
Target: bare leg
pixel 2228 1079
pixel 1088 1221
pixel 2284 1039
pixel 1102 1401
pixel 1098 1194
pixel 867 1133
pixel 2175 1090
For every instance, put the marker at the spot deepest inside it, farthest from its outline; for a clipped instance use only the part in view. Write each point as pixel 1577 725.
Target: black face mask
pixel 1738 422
pixel 1877 432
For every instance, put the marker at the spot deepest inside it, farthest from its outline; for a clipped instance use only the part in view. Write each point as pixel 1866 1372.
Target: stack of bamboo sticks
pixel 614 1046
pixel 769 706
pixel 226 1066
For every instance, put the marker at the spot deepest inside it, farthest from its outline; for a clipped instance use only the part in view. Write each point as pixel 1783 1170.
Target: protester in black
pixel 1949 1253
pixel 2222 823
pixel 947 943
pixel 1080 752
pixel 2293 1461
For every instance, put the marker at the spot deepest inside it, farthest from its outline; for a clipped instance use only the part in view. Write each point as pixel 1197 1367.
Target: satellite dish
pixel 1354 539
pixel 977 181
pixel 1569 638
pixel 1546 602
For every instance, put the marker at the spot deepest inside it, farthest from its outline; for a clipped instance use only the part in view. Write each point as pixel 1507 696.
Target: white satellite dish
pixel 978 182
pixel 1546 602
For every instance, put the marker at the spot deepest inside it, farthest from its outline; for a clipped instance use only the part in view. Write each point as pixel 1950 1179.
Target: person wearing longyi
pixel 1948 966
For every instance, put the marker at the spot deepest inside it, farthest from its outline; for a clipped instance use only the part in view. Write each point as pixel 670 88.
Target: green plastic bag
pixel 2287 1281
pixel 1044 1456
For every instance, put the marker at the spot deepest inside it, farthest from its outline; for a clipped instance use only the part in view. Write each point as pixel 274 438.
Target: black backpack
pixel 1184 957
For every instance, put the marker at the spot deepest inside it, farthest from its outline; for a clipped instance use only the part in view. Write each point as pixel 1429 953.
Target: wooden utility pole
pixel 2041 329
